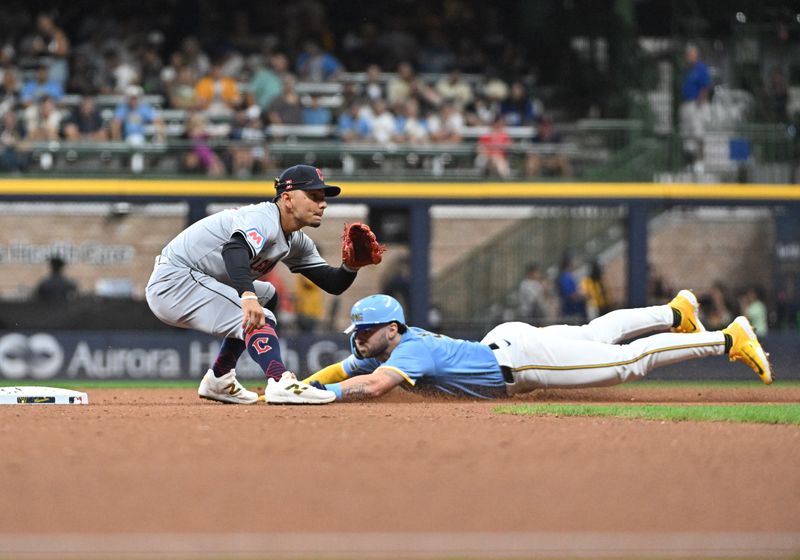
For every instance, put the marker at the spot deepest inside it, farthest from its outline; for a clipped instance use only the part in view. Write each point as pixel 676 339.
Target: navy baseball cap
pixel 304 178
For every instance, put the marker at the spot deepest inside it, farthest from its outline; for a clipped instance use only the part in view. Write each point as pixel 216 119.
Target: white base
pixel 41 395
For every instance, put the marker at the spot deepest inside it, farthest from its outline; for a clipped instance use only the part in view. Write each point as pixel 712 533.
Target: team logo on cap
pixel 319 174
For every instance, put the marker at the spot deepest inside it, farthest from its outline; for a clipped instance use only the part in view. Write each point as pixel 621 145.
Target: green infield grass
pixel 778 413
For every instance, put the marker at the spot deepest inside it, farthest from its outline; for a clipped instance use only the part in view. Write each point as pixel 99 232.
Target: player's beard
pixel 376 349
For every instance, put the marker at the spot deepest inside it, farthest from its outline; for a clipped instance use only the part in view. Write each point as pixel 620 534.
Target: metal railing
pixel 483 283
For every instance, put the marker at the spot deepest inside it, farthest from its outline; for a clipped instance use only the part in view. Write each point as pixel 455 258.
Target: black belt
pixel 508 377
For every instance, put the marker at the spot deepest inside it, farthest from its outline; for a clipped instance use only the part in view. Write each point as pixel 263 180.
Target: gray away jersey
pixel 200 245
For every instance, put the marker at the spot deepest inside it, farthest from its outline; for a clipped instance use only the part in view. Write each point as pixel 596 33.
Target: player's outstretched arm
pixel 334 373
pixel 361 387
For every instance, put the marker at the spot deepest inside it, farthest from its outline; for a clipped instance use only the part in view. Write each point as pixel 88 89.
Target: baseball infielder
pixel 207 279
pixel 517 358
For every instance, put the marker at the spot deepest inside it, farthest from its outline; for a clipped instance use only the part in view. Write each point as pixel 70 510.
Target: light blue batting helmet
pixel 377 309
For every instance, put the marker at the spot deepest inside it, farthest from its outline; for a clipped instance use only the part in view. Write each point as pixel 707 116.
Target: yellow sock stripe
pixel 613 364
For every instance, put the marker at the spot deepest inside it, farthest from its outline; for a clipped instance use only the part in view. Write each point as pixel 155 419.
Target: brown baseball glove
pixel 360 247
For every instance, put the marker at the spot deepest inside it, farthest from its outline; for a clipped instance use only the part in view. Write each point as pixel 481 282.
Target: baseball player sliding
pixel 207 279
pixel 517 358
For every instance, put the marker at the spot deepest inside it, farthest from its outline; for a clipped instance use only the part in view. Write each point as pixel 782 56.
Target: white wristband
pixel 249 297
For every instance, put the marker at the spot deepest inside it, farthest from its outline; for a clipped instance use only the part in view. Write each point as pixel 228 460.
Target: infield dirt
pixel 162 461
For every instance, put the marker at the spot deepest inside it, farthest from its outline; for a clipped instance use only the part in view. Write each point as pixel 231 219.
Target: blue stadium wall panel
pixel 128 355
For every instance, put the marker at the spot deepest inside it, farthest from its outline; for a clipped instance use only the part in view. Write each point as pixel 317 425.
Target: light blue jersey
pixel 437 364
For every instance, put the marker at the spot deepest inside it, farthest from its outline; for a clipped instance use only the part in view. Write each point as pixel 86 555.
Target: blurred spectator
pixel 493 87
pixel 14 152
pixel 316 65
pixel 85 122
pixel 194 57
pixel 777 96
pixel 402 86
pixel 132 118
pixel 9 90
pixel 169 72
pixel 427 97
pixel 411 128
pixel 88 62
pixel 201 158
pixel 247 153
pixel 481 112
pixel 50 46
pixel 573 301
pixel 452 87
pixel 181 93
pixel 374 87
pixel 55 287
pixel 594 290
pixel 752 306
pixel 316 114
pixel 85 78
pixel 695 110
pixel 350 93
pixel 250 105
pixel 532 295
pixel 716 308
pixel 267 84
pixel 232 63
pixel 447 125
pixel 309 304
pixel 384 124
pixel 216 92
pixel 151 67
pixel 517 109
pixel 43 120
pixel 353 126
pixel 119 74
pixel 286 108
pixel 493 150
pixel 545 157
pixel 40 86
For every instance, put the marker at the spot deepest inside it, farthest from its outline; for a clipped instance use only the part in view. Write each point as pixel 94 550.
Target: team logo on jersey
pixel 255 238
pixel 319 174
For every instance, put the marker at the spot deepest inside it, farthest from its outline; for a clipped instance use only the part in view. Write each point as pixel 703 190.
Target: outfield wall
pixel 638 200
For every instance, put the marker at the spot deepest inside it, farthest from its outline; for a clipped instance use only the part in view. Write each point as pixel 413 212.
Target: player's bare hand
pixel 252 315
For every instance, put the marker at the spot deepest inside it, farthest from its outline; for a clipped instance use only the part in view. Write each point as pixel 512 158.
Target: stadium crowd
pixel 111 78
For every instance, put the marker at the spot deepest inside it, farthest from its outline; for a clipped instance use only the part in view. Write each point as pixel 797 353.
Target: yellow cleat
pixel 746 347
pixel 685 303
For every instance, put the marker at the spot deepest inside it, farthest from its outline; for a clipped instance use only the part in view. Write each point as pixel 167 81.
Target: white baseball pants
pixel 186 298
pixel 591 355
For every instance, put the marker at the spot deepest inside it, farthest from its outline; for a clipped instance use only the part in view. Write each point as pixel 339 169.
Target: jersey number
pixel 260 266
